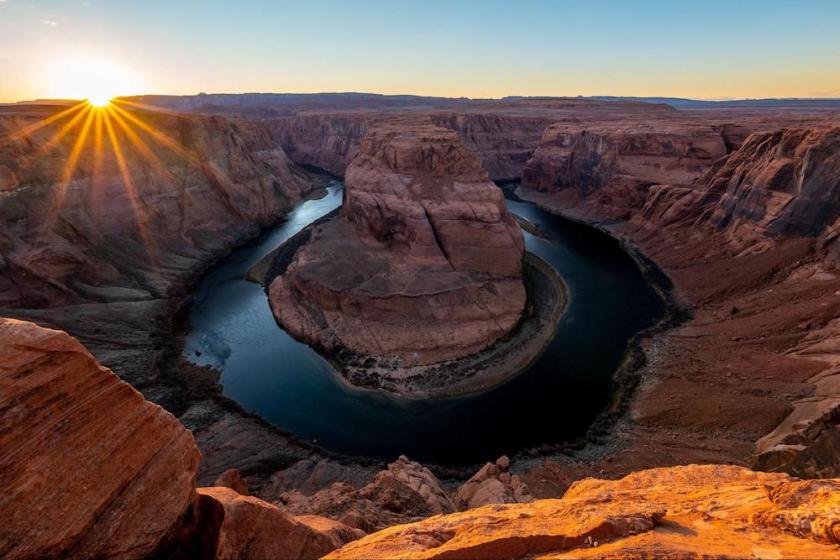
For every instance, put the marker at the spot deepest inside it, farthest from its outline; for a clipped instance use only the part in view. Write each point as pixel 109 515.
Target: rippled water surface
pixel 268 372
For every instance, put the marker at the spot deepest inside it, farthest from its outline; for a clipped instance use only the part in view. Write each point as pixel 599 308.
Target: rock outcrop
pixel 423 265
pixel 685 512
pixel 89 469
pixel 253 529
pixel 406 491
pixel 780 184
pixel 493 484
pixel 233 479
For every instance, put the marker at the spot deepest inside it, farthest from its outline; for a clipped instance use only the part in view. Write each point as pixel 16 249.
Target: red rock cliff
pixel 424 263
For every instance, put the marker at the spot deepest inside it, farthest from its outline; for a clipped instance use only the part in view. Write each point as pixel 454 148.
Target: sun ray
pixel 98 160
pixel 158 135
pixel 54 139
pixel 70 164
pixel 133 197
pixel 32 128
pixel 143 148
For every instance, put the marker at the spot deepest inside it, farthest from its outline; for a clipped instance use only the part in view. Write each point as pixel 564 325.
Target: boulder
pixel 493 484
pixel 233 479
pixel 406 491
pixel 254 529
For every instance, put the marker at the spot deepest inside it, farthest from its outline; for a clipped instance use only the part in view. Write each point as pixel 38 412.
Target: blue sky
pixel 710 49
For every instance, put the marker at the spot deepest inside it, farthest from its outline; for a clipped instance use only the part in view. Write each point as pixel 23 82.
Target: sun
pixel 95 80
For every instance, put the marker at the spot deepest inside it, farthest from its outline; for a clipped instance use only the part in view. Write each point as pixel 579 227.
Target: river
pixel 230 327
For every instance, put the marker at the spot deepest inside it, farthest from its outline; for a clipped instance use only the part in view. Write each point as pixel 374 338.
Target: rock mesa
pixel 423 264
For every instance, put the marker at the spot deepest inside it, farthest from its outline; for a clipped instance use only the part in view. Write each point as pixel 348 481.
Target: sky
pixel 705 49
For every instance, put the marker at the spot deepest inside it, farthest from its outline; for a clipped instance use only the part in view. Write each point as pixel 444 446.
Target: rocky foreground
pixel 423 265
pixel 92 470
pixel 710 511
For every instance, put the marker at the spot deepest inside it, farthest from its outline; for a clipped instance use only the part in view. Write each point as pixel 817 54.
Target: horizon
pixel 535 48
pixel 313 93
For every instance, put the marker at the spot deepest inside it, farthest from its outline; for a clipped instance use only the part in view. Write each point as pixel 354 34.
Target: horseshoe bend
pixel 419 273
pixel 362 325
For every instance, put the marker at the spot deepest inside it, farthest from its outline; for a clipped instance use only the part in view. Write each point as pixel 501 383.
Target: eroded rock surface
pixel 254 529
pixel 686 512
pixel 611 167
pixel 89 468
pixel 424 263
pixel 493 484
pixel 406 491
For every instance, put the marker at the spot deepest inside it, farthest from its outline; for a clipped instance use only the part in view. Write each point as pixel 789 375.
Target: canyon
pixel 739 207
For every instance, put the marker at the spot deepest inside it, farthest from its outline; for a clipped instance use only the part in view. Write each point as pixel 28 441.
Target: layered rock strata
pixel 423 265
pixel 612 167
pixel 81 452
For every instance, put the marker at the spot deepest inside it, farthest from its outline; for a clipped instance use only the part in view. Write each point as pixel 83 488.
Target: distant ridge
pixel 278 104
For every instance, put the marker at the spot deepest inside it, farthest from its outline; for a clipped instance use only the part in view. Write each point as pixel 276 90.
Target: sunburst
pixel 104 132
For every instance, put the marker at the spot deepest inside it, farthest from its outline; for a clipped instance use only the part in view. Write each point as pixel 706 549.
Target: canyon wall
pixel 424 262
pixel 608 169
pixel 99 236
pixel 503 143
pixel 752 244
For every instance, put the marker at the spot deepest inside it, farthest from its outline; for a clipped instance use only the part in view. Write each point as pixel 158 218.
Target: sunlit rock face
pixel 679 512
pixel 424 263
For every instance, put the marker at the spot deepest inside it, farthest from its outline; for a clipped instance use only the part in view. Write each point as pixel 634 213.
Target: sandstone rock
pixel 339 533
pixel 89 468
pixel 610 167
pixel 252 528
pixel 405 492
pixel 807 442
pixel 421 480
pixel 784 183
pixel 493 484
pixel 424 264
pixel 685 512
pixel 233 479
